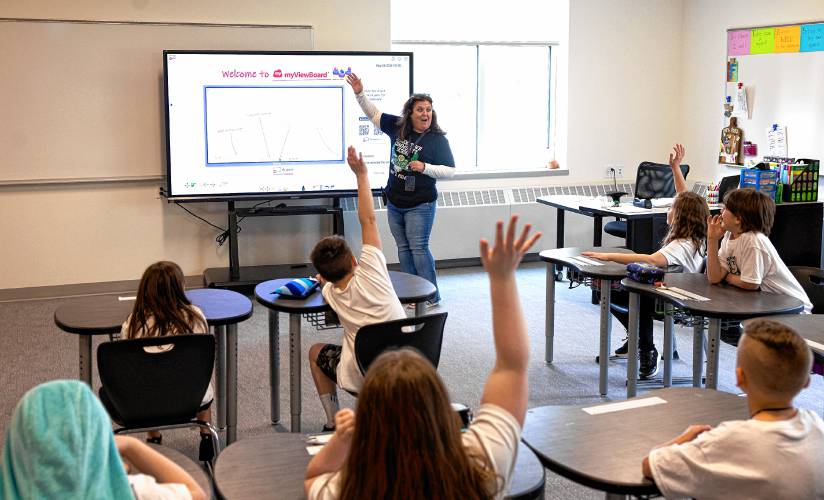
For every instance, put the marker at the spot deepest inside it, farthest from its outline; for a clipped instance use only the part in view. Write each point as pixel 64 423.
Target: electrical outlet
pixel 619 171
pixel 608 172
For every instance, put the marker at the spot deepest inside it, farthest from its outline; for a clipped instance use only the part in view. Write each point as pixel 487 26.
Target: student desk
pixel 607 272
pixel 604 451
pixel 193 468
pixel 273 466
pixel 726 302
pixel 408 287
pixel 224 309
pixel 809 326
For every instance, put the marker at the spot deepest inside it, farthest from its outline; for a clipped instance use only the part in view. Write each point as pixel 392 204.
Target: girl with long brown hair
pixel 684 245
pixel 161 308
pixel 405 441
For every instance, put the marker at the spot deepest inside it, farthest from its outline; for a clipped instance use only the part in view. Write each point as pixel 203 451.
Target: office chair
pixel 424 333
pixel 652 180
pixel 814 290
pixel 154 389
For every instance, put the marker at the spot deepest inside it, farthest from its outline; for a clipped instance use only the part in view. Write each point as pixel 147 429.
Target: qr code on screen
pixel 363 129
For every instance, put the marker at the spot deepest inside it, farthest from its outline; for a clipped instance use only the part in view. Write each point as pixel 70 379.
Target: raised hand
pixel 355 82
pixel 501 260
pixel 715 227
pixel 678 152
pixel 355 161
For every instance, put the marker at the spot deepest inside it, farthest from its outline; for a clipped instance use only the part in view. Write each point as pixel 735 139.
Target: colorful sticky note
pixel 738 43
pixel 762 41
pixel 812 37
pixel 787 38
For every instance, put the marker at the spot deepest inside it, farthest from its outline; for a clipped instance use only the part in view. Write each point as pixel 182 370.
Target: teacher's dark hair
pixel 405 122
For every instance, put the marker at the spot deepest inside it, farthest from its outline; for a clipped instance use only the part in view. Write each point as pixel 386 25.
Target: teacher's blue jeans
pixel 411 228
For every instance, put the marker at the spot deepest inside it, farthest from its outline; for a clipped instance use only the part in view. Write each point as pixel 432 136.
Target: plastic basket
pixel 764 181
pixel 801 182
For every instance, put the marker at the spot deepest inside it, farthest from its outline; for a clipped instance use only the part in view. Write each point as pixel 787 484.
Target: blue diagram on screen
pixel 253 125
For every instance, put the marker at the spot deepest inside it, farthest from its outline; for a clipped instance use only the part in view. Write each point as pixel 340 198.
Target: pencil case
pixel 644 273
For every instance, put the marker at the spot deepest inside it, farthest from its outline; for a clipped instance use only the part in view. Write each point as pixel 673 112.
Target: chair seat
pixel 617 228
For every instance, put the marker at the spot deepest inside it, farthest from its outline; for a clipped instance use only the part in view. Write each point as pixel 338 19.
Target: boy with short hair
pixel 777 453
pixel 359 291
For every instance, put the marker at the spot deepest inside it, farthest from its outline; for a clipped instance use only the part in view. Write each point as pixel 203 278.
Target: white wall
pixel 704 64
pixel 111 232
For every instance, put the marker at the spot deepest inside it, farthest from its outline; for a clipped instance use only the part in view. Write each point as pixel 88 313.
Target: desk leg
pixel 597 230
pixel 84 356
pixel 669 326
pixel 712 353
pixel 697 351
pixel 294 370
pixel 559 228
pixel 420 308
pixel 274 367
pixel 632 344
pixel 220 376
pixel 549 320
pixel 606 329
pixel 231 383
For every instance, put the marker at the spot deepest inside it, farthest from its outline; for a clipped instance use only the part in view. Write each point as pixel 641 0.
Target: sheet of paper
pixel 777 141
pixel 313 450
pixel 624 405
pixel 661 202
pixel 123 299
pixel 812 37
pixel 738 43
pixel 762 41
pixel 587 261
pixel 816 345
pixel 787 38
pixel 319 438
pixel 669 292
pixel 629 209
pixel 693 296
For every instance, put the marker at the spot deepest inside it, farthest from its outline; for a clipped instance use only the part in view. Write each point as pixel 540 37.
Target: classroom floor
pixel 34 350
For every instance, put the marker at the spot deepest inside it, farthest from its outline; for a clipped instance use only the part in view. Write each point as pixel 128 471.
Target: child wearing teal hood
pixel 60 445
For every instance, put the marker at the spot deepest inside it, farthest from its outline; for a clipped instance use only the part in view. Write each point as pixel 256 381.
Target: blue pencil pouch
pixel 644 273
pixel 298 289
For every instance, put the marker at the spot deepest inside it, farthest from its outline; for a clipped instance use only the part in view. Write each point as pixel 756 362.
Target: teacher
pixel 420 154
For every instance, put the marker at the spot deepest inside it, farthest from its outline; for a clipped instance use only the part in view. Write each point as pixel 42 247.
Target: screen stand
pixel 236 277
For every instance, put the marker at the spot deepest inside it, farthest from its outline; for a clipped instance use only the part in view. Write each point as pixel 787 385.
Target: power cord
pixel 224 232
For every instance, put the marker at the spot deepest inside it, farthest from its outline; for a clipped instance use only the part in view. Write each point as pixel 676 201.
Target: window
pixel 494 100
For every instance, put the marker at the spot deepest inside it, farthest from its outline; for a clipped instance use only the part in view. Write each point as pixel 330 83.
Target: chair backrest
pixel 424 333
pixel 814 292
pixel 654 180
pixel 156 381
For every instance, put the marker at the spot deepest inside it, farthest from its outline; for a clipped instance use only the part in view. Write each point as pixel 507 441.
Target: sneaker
pixel 207 451
pixel 649 364
pixel 432 305
pixel 622 351
pixel 328 428
pixel 674 356
pixel 155 440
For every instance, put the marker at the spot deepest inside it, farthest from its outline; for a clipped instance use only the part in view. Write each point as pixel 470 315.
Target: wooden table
pixel 193 468
pixel 726 302
pixel 809 326
pixel 273 466
pixel 605 451
pixel 224 309
pixel 410 289
pixel 607 272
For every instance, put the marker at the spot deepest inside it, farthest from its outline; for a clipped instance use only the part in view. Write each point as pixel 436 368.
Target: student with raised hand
pixel 405 440
pixel 161 308
pixel 684 246
pixel 777 453
pixel 359 291
pixel 59 444
pixel 678 152
pixel 740 253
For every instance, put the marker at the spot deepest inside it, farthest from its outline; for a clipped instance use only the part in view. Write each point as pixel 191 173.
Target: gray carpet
pixel 34 350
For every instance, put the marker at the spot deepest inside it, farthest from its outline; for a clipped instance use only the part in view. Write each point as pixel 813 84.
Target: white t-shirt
pixel 754 259
pixel 145 487
pixel 124 331
pixel 682 253
pixel 368 298
pixel 494 434
pixel 746 459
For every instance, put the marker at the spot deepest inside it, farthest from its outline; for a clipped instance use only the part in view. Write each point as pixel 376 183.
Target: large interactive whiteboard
pixel 246 124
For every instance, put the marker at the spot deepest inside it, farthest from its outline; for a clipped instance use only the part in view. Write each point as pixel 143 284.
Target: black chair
pixel 652 180
pixel 424 333
pixel 153 389
pixel 809 279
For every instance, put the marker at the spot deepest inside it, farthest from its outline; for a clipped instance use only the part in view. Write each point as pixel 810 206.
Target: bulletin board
pixel 782 70
pixel 83 100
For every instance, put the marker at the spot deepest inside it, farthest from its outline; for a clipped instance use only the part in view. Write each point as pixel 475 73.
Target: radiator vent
pixel 471 198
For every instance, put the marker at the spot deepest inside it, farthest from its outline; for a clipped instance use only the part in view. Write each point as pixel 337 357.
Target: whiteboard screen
pixel 84 100
pixel 253 123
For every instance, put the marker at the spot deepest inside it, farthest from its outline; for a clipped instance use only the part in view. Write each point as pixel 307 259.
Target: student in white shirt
pixel 745 257
pixel 405 441
pixel 359 291
pixel 684 246
pixel 777 453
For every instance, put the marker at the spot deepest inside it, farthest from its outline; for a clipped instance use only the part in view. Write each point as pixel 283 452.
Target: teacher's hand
pixel 355 82
pixel 417 166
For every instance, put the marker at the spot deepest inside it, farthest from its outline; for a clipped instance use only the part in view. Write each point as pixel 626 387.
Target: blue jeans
pixel 411 228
